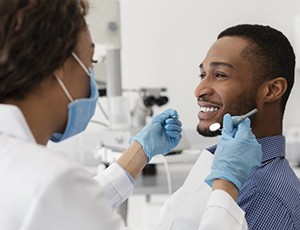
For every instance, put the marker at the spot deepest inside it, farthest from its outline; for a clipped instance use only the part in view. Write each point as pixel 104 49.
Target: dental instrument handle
pixel 239 119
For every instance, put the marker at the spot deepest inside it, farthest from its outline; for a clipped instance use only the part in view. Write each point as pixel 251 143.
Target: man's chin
pixel 207 133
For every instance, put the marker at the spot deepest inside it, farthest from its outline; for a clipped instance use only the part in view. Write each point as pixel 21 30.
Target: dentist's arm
pixel 134 159
pixel 160 136
pixel 237 155
pixel 226 186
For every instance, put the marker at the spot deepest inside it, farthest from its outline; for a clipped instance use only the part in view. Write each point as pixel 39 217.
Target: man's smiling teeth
pixel 208 109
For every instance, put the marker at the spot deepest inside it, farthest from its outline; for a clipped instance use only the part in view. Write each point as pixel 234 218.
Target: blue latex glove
pixel 237 155
pixel 161 135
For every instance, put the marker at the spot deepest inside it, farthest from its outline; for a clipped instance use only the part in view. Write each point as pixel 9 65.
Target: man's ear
pixel 273 89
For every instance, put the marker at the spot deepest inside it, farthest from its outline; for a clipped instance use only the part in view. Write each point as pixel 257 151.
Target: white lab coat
pixel 43 189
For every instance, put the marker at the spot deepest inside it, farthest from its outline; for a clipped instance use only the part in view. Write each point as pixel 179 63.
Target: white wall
pixel 164 41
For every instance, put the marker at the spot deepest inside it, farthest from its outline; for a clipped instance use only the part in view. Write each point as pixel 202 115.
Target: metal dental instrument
pixel 216 126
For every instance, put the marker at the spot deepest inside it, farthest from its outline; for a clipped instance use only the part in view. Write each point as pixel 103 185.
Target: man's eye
pixel 220 75
pixel 94 61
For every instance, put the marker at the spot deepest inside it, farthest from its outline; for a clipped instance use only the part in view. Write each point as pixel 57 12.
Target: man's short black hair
pixel 269 52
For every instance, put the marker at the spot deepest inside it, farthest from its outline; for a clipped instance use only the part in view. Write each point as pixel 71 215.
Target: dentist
pixel 48 92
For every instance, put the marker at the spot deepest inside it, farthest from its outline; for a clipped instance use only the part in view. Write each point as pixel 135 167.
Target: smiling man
pixel 247 67
pixel 224 84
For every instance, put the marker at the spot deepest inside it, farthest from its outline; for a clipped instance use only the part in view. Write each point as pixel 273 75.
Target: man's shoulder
pixel 274 181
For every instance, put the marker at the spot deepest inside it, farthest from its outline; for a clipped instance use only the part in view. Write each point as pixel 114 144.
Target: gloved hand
pixel 237 155
pixel 161 135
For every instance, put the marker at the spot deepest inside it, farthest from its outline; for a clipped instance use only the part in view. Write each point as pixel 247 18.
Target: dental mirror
pixel 217 126
pixel 214 127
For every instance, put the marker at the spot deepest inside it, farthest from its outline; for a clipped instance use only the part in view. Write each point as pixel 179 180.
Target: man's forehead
pixel 228 46
pixel 224 52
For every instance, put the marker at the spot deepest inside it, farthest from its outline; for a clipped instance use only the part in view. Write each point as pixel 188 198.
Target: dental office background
pixel 162 44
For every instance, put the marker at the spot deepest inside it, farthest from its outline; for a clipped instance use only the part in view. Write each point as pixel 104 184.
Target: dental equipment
pixel 216 126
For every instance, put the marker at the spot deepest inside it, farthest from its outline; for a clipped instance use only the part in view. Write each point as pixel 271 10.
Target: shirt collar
pixel 13 123
pixel 272 147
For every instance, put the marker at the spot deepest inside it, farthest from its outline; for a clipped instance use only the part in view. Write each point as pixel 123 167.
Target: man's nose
pixel 204 88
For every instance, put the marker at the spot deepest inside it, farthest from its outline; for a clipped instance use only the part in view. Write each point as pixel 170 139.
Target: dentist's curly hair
pixel 36 37
pixel 269 52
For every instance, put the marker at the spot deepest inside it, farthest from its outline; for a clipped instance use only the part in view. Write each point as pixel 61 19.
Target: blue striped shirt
pixel 271 195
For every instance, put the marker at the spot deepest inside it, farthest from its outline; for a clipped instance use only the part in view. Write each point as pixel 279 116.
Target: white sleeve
pixel 222 212
pixel 71 200
pixel 116 184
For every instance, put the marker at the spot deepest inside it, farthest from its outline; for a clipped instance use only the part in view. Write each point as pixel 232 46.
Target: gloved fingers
pixel 172 133
pixel 174 113
pixel 173 128
pixel 228 127
pixel 173 121
pixel 165 115
pixel 244 130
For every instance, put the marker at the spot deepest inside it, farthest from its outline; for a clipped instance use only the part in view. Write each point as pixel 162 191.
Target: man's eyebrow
pixel 216 64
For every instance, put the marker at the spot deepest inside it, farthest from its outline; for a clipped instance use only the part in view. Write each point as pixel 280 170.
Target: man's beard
pixel 241 106
pixel 207 133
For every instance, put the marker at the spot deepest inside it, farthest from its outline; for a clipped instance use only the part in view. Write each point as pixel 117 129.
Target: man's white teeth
pixel 208 109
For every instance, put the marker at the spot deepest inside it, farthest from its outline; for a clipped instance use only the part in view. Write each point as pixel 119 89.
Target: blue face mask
pixel 80 111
